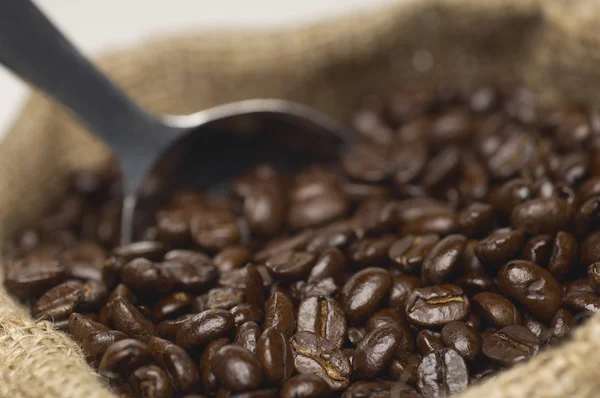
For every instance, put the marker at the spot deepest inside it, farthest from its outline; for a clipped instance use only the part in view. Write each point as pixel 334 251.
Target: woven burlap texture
pixel 552 47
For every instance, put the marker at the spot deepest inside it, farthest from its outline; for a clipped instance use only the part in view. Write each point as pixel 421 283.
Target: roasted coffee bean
pixel 561 325
pixel 441 261
pixel 204 327
pixel 123 357
pixel 512 156
pixel 369 252
pixel 28 281
pixel 277 246
pixel 499 247
pixel 94 295
pixel 429 341
pixel 594 276
pixel 324 317
pixel 541 216
pixel 264 210
pixel 247 336
pixel 380 389
pixel 589 251
pixel 236 368
pixel 291 265
pixel 95 344
pixel 364 292
pixel 224 298
pixel 330 265
pixel 245 312
pixel 564 255
pixel 172 306
pixel 442 373
pixel 436 306
pixel 538 328
pixel 337 236
pixel 496 309
pixel 60 301
pixel 180 367
pixel 81 327
pixel 510 344
pixel 403 367
pixel 538 249
pixel 275 355
pixel 462 338
pixel 409 252
pixel 279 313
pixel 151 382
pixel 355 335
pixel 255 291
pixel 532 286
pixel 375 351
pixel 402 287
pixel 190 271
pixel 232 257
pixel 472 284
pixel 168 329
pixel 476 220
pixel 215 230
pixel 207 376
pixel 440 167
pixel 301 290
pixel 144 276
pixel 305 386
pixel 582 301
pixel 129 320
pixel 152 251
pixel 316 355
pixel 172 225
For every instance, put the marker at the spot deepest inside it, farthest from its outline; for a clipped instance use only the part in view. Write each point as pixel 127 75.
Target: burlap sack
pixel 551 46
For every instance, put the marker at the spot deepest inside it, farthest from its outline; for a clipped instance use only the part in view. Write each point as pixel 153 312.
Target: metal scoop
pixel 221 141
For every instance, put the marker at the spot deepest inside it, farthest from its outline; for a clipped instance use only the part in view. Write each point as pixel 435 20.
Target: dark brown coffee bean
pixel 264 209
pixel 375 351
pixel 245 312
pixel 180 367
pixel 144 276
pixel 224 298
pixel 123 357
pixel 380 389
pixel 499 247
pixel 538 328
pixel 301 290
pixel 236 368
pixel 315 210
pixel 532 286
pixel 355 335
pixel 168 329
pixel 247 336
pixel 510 345
pixel 538 249
pixel 204 327
pixel 128 319
pixel 440 167
pixel 94 295
pixel 436 306
pixel 507 196
pixel 173 225
pixel 476 220
pixel 564 255
pixel 275 355
pixel 429 341
pixel 297 242
pixel 335 236
pixel 316 355
pixel 369 252
pixel 541 216
pixel 409 252
pixel 81 327
pixel 28 281
pixel 472 284
pixel 403 367
pixel 582 301
pixel 451 127
pixel 305 386
pixel 291 265
pixel 111 271
pixel 207 376
pixel 441 261
pixel 402 287
pixel 368 163
pixel 172 306
pixel 594 276
pixel 324 317
pixel 496 309
pixel 255 291
pixel 589 251
pixel 151 382
pixel 463 339
pixel 152 251
pixel 364 292
pixel 330 265
pixel 95 344
pixel 442 373
pixel 474 184
pixel 512 156
pixel 232 257
pixel 190 271
pixel 561 325
pixel 279 313
pixel 587 216
pixel 215 230
pixel 60 301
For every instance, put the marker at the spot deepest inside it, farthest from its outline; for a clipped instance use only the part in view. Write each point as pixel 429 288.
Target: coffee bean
pixel 60 301
pixel 402 287
pixel 403 367
pixel 224 298
pixel 594 276
pixel 582 301
pixel 462 338
pixel 144 276
pixel 589 251
pixel 441 261
pixel 532 286
pixel 232 257
pixel 277 246
pixel 442 373
pixel 316 355
pixel 123 357
pixel 178 364
pixel 151 382
pixel 355 335
pixel 364 292
pixel 275 355
pixel 510 344
pixel 255 292
pixel 81 327
pixel 561 325
pixel 305 386
pixel 429 341
pixel 207 376
pixel 168 329
pixel 336 236
pixel 129 320
pixel 28 281
pixel 152 251
pixel 496 309
pixel 264 210
pixel 564 255
pixel 301 290
pixel 538 249
pixel 512 156
pixel 279 313
pixel 96 343
pixel 215 230
pixel 328 205
pixel 330 265
pixel 247 336
pixel 380 389
pixel 409 252
pixel 507 196
pixel 290 265
pixel 95 293
pixel 472 284
pixel 172 306
pixel 476 220
pixel 499 247
pixel 245 312
pixel 204 327
pixel 324 317
pixel 190 271
pixel 375 351
pixel 369 252
pixel 541 216
pixel 236 368
pixel 436 306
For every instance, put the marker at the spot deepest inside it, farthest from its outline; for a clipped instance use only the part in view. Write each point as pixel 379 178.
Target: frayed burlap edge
pixel 551 46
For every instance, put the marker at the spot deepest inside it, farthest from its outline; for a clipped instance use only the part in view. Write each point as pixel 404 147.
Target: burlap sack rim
pixel 25 344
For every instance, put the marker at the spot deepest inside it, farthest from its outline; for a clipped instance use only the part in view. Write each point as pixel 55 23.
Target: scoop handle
pixel 33 48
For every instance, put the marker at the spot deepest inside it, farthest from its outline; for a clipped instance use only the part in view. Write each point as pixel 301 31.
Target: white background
pixel 94 25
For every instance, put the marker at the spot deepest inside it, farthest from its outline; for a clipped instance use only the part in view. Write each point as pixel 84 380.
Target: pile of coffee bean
pixel 459 237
